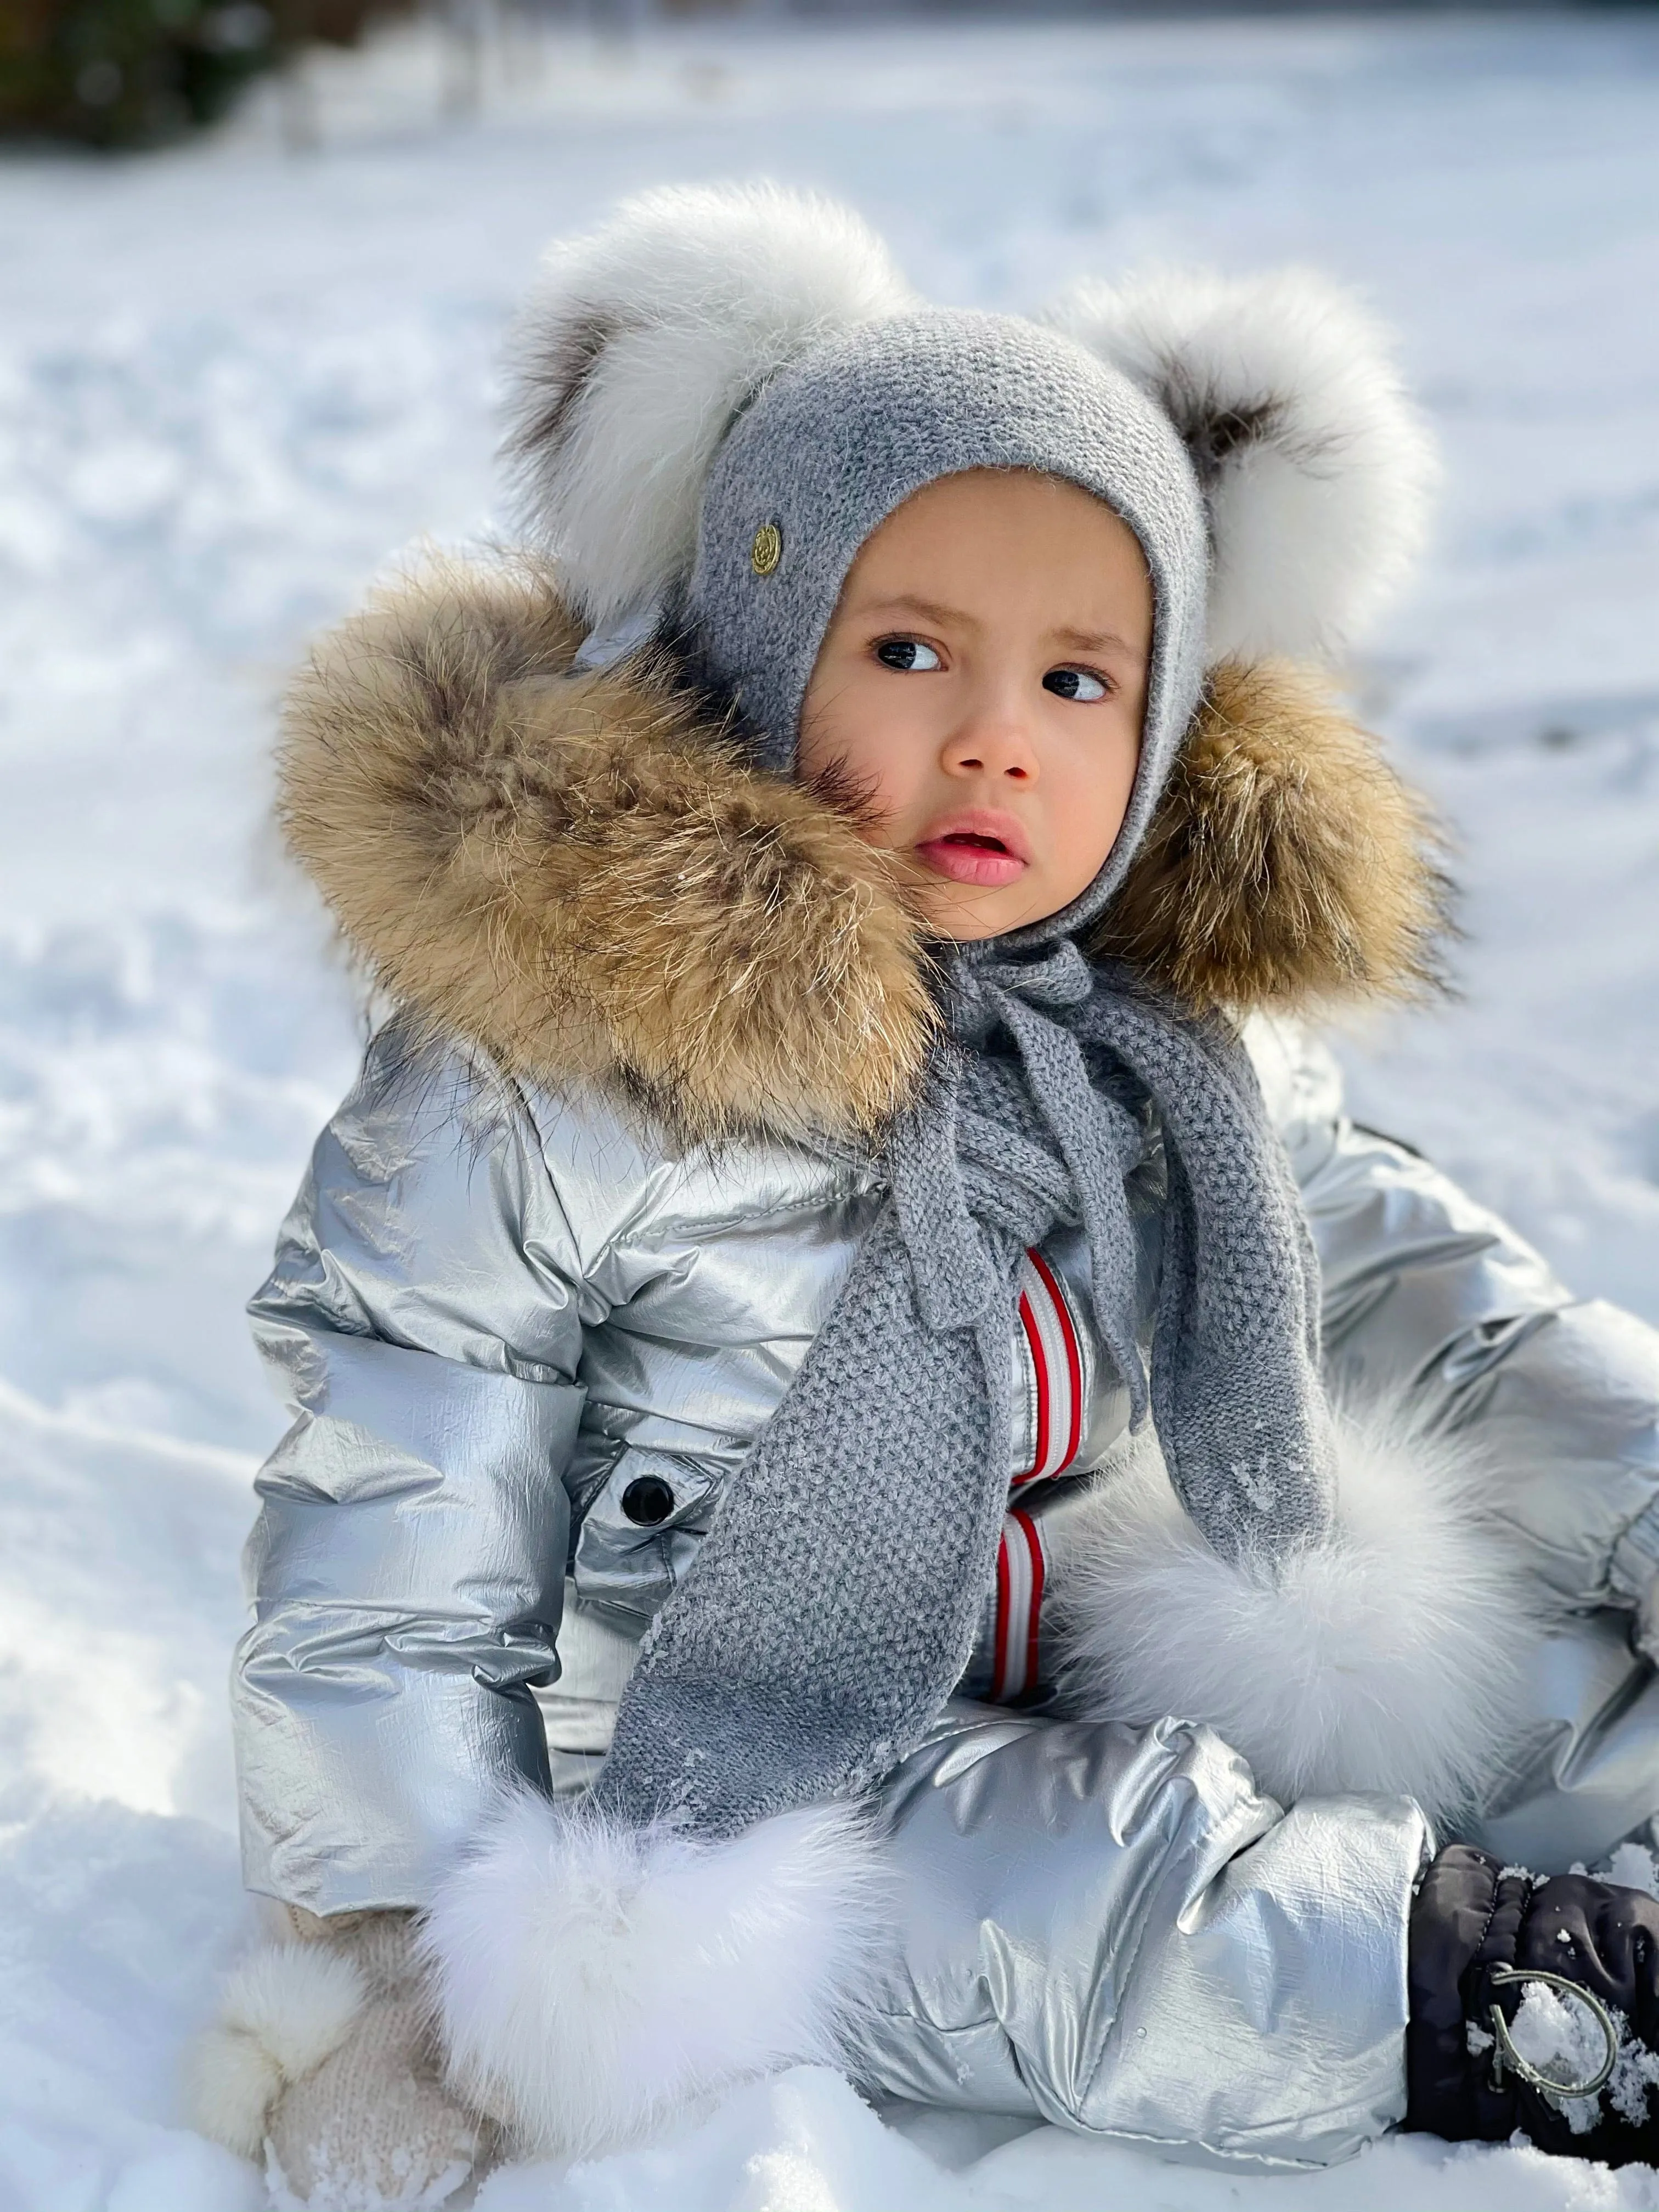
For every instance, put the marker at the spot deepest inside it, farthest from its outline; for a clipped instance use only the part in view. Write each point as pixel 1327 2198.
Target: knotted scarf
pixel 834 1604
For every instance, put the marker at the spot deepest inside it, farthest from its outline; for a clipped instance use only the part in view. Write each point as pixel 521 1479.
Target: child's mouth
pixel 972 856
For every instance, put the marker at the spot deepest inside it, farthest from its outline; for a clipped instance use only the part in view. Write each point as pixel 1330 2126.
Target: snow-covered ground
pixel 234 381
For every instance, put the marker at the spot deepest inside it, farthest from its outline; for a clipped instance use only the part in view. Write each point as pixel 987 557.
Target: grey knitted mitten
pixel 323 2060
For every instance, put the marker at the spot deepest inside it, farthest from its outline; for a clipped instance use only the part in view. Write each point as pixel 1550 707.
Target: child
pixel 814 1527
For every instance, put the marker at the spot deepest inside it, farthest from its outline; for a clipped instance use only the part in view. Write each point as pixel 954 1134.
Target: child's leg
pixel 1109 1929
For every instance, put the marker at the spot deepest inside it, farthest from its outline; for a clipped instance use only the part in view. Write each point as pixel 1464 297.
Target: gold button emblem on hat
pixel 767 550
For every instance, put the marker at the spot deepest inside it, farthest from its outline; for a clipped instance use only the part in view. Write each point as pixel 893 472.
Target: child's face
pixel 981 686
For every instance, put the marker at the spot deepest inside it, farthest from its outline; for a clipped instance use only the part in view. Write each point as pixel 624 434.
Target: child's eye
pixel 907 654
pixel 1075 683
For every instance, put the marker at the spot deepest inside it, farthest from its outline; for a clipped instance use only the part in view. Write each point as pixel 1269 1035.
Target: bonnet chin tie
pixel 833 1606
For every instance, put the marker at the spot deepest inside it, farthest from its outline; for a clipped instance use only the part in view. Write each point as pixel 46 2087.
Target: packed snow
pixel 236 380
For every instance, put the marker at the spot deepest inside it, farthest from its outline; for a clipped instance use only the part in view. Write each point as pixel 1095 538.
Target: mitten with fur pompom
pixel 323 2060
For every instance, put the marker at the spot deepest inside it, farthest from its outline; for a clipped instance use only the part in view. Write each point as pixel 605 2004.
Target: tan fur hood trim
pixel 1287 866
pixel 577 872
pixel 573 872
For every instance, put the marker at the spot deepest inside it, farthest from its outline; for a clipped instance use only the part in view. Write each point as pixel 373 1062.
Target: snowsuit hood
pixel 580 873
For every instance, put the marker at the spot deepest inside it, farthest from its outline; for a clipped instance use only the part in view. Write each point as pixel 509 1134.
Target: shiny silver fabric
pixel 1424 1288
pixel 476 1294
pixel 1108 1928
pixel 495 1315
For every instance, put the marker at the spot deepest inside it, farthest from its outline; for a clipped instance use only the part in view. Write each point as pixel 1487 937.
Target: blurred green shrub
pixel 116 73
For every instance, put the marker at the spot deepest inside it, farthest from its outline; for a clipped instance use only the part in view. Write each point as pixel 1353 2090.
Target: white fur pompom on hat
pixel 1316 470
pixel 639 345
pixel 644 343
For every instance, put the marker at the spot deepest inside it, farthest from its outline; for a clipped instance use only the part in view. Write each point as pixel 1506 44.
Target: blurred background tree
pixel 119 73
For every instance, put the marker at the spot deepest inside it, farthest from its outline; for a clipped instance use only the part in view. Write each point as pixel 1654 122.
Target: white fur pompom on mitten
pixel 322 2060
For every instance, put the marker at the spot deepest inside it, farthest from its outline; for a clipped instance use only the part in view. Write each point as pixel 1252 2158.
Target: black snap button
pixel 647 1500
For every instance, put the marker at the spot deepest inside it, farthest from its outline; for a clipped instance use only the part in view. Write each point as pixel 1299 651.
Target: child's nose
pixel 996 748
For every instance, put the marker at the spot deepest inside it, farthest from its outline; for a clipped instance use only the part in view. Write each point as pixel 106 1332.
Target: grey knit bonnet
pixel 719 402
pixel 835 443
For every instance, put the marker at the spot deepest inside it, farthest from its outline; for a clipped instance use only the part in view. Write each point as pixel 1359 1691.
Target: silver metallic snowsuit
pixel 525 1348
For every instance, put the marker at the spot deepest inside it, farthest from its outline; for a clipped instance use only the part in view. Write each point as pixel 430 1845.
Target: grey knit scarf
pixel 833 1606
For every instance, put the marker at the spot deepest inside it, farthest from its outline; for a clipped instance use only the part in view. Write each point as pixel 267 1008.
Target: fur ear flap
pixel 638 347
pixel 1316 470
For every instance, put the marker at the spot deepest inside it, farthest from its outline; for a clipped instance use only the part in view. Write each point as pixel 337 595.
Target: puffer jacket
pixel 552 1270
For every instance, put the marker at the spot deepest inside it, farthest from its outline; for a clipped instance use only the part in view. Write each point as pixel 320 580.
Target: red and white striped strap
pixel 1022 1573
pixel 1022 1562
pixel 1057 1363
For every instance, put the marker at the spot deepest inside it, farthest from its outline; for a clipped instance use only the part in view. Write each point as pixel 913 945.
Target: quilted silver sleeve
pixel 1428 1292
pixel 424 1321
pixel 1111 1928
